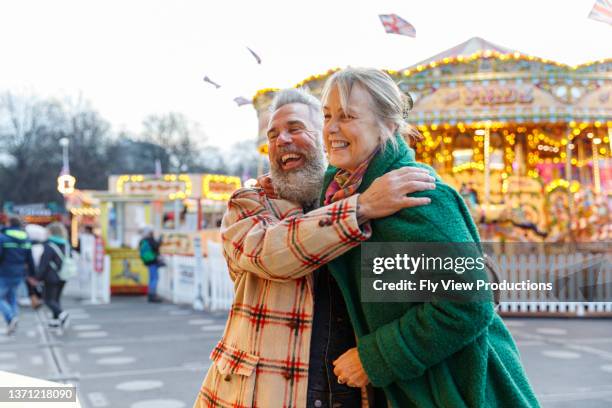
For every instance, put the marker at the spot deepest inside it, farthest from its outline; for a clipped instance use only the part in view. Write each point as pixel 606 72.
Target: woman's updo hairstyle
pixel 389 104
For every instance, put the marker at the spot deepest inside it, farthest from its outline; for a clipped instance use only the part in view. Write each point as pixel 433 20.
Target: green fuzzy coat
pixel 440 354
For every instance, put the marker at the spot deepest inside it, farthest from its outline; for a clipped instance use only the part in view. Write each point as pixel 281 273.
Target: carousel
pixel 526 141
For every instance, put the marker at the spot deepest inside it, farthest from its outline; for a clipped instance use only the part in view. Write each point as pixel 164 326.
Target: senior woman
pixel 430 354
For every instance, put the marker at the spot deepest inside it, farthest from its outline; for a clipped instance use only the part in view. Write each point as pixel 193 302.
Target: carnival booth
pixel 184 209
pixel 527 141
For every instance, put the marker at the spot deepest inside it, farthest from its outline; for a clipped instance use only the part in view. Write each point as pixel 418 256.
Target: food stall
pixel 179 207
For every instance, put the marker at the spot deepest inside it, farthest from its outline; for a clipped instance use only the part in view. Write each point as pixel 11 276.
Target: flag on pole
pixel 394 24
pixel 210 81
pixel 602 11
pixel 254 55
pixel 240 100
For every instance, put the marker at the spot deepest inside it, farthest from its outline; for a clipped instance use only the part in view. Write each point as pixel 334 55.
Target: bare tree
pixel 178 136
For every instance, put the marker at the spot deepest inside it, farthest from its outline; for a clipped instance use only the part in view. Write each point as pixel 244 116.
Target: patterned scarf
pixel 345 183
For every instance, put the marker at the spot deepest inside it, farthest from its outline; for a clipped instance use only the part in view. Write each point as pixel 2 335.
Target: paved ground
pixel 133 354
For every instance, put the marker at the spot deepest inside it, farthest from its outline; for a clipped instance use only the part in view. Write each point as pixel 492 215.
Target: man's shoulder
pixel 249 193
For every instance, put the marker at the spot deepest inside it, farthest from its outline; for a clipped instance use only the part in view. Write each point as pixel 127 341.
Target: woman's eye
pixel 326 117
pixel 294 130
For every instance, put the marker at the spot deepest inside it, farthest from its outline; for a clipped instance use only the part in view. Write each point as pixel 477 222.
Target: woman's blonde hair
pixel 57 229
pixel 388 103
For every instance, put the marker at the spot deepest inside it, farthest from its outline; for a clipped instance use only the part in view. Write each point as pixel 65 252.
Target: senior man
pixel 276 249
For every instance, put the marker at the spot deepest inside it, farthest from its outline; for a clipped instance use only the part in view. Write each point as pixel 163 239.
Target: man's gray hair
pixel 299 95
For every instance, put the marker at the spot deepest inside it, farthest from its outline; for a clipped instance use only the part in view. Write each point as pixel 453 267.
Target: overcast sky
pixel 131 58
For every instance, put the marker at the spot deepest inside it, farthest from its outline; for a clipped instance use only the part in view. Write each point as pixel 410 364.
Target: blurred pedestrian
pixel 149 254
pixel 56 252
pixel 15 264
pixel 37 235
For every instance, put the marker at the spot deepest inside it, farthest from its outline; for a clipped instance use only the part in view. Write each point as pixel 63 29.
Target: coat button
pixel 287 375
pixel 227 377
pixel 329 222
pixel 318 403
pixel 322 223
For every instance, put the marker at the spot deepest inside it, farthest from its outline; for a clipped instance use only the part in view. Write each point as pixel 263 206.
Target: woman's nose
pixel 331 126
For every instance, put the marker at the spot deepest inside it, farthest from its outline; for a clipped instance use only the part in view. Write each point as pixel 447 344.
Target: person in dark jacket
pixel 149 253
pixel 50 264
pixel 15 264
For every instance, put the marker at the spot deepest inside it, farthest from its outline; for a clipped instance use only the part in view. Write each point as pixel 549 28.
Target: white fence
pixel 202 282
pixel 89 285
pixel 585 279
pixel 209 286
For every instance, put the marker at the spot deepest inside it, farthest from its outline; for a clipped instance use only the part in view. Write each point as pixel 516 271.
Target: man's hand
pixel 265 182
pixel 387 194
pixel 349 370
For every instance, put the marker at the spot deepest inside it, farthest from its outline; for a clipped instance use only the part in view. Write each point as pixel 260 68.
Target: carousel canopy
pixel 467 48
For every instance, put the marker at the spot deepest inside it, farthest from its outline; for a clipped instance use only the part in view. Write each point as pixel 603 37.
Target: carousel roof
pixel 467 48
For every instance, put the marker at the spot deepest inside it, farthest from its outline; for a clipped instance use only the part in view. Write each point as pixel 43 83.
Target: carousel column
pixel 596 176
pixel 487 165
pixel 568 175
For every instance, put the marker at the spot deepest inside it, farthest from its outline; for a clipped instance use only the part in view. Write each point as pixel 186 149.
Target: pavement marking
pixel 593 394
pixel 36 360
pixel 139 385
pixel 562 354
pixel 84 327
pixel 524 343
pixel 213 327
pixel 77 310
pixel 607 368
pixel 80 316
pixel 8 367
pixel 92 334
pixel 591 350
pixel 179 312
pixel 514 323
pixel 97 399
pixel 200 321
pixel 552 331
pixel 147 371
pixel 159 403
pixel 31 333
pixel 115 360
pixel 73 357
pixel 7 355
pixel 106 350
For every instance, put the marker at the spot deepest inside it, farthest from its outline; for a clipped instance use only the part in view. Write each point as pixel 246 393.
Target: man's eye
pixel 294 130
pixel 272 136
pixel 327 117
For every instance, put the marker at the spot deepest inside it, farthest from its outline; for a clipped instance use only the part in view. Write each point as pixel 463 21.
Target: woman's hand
pixel 387 194
pixel 265 182
pixel 32 280
pixel 349 370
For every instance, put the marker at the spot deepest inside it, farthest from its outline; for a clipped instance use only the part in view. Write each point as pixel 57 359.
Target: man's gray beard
pixel 302 185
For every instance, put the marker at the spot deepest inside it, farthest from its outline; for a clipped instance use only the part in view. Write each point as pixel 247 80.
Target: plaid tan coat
pixel 271 248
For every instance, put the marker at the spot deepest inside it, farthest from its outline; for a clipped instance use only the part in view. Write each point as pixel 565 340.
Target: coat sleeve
pixel 430 332
pixel 44 263
pixel 258 238
pixel 30 263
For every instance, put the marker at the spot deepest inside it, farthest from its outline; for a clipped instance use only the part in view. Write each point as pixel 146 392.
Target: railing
pixel 209 286
pixel 591 293
pixel 202 282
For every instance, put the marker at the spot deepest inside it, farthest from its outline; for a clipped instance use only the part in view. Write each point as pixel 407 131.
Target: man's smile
pixel 289 161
